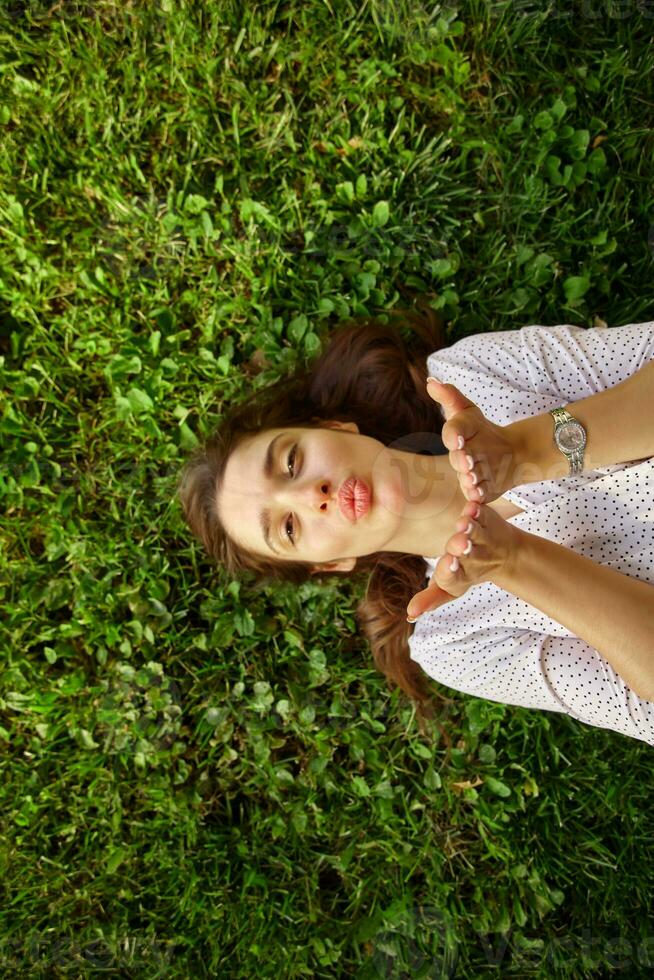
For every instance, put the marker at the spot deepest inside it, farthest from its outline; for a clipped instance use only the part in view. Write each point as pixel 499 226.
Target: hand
pixel 492 448
pixel 495 542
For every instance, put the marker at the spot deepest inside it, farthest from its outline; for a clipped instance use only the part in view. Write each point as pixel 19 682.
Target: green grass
pixel 206 778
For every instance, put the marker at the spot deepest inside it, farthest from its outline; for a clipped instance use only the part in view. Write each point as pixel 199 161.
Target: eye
pixel 291 455
pixel 289 465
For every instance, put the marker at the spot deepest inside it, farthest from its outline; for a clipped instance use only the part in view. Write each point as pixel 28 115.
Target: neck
pixel 431 502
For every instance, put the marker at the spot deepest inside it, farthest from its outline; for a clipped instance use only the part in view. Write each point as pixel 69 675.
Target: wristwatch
pixel 570 437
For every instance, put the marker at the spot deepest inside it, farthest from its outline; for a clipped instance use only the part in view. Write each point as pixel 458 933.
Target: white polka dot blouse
pixel 490 643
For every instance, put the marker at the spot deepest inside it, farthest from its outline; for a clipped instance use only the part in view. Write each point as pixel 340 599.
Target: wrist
pixel 515 561
pixel 536 455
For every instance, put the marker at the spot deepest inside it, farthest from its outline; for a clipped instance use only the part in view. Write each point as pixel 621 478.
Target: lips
pixel 354 498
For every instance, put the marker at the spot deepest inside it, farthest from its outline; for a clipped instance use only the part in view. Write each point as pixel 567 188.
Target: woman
pixel 340 469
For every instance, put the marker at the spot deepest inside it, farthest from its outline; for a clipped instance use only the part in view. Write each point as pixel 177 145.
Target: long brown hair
pixel 367 374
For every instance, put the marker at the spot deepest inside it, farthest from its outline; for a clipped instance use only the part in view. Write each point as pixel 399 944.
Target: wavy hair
pixel 370 375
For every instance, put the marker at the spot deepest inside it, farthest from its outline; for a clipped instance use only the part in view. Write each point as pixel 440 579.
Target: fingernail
pixel 474 478
pixel 469 528
pixel 477 512
pixel 461 442
pixel 433 379
pixel 409 620
pixel 470 461
pixel 481 491
pixel 468 549
pixel 455 564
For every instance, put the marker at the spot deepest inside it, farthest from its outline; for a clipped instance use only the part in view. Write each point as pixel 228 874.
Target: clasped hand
pixel 485 458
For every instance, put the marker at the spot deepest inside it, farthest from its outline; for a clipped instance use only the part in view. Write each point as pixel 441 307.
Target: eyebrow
pixel 264 516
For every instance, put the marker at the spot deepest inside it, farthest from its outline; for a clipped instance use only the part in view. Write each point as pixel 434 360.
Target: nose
pixel 317 495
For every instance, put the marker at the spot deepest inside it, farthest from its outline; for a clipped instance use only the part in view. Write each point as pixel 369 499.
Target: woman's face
pixel 308 466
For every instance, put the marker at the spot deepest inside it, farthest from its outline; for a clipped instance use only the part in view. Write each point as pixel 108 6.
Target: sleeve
pixel 533 670
pixel 591 691
pixel 495 663
pixel 514 374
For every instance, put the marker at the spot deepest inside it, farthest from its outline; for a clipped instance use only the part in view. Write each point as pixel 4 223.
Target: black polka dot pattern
pixel 490 643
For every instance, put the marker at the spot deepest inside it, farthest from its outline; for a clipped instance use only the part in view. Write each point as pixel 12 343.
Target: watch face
pixel 571 437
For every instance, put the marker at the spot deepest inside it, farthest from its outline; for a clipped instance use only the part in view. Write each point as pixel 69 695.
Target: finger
pixel 452 567
pixel 430 598
pixel 474 488
pixel 456 433
pixel 444 576
pixel 462 461
pixel 458 546
pixel 434 595
pixel 459 430
pixel 471 492
pixel 451 399
pixel 470 512
pixel 466 525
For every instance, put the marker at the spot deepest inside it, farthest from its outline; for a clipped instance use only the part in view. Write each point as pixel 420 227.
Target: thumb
pixel 451 399
pixel 430 598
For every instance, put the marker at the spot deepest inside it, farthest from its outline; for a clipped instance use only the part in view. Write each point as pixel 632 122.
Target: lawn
pixel 209 778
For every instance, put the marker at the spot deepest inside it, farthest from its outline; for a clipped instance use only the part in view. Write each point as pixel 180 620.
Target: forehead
pixel 246 460
pixel 243 493
pixel 253 447
pixel 255 460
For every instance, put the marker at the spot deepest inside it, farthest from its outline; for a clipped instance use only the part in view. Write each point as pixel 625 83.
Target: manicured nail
pixel 433 379
pixel 454 565
pixel 469 528
pixel 477 512
pixel 470 461
pixel 461 442
pixel 474 478
pixel 409 620
pixel 468 549
pixel 481 491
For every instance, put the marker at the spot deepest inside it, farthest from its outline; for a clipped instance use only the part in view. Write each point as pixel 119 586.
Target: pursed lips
pixel 354 498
